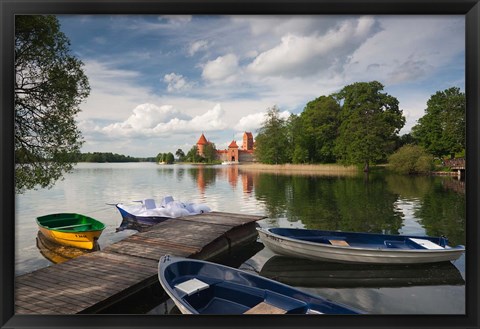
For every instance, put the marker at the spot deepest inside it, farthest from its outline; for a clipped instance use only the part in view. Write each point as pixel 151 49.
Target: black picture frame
pixel 10 8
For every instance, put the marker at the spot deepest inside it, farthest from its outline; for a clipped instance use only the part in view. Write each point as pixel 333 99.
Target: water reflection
pixel 383 203
pixel 308 273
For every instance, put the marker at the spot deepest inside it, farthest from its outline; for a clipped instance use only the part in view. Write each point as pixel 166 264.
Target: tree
pixel 272 139
pixel 370 122
pixel 160 158
pixel 210 152
pixel 49 87
pixel 411 159
pixel 297 142
pixel 193 155
pixel 169 158
pixel 441 131
pixel 320 120
pixel 180 155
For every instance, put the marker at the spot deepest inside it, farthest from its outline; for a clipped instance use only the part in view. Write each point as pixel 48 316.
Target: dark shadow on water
pixel 317 274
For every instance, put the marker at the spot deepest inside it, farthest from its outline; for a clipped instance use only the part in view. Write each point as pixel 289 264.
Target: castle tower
pixel 232 154
pixel 247 141
pixel 202 141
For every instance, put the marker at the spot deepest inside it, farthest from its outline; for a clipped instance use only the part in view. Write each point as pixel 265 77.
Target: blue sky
pixel 158 82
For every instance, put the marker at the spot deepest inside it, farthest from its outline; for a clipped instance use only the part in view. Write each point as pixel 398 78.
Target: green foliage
pixel 167 158
pixel 411 159
pixel 49 87
pixel 320 121
pixel 297 144
pixel 193 155
pixel 272 144
pixel 180 155
pixel 441 131
pixel 109 157
pixel 370 122
pixel 210 152
pixel 404 140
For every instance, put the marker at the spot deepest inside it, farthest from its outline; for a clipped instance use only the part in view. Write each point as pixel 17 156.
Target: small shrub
pixel 411 159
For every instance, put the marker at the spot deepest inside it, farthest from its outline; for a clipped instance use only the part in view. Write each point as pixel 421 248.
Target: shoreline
pixel 302 169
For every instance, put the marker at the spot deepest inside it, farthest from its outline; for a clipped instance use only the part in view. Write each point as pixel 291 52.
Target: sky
pixel 159 82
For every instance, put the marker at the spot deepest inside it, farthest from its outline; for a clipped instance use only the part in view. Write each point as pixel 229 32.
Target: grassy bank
pixel 302 169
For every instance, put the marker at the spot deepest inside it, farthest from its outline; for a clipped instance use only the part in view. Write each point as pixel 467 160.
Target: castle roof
pixel 249 134
pixel 233 144
pixel 202 140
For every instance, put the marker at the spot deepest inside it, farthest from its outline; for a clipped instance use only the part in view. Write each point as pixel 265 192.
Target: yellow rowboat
pixel 71 229
pixel 58 253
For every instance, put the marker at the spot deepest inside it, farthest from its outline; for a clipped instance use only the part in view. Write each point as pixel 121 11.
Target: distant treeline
pixel 110 157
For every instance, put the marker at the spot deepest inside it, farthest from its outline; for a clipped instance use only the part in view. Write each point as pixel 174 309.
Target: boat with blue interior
pixel 353 247
pixel 201 287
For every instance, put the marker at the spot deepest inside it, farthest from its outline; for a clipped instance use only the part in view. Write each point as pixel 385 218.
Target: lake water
pixel 378 203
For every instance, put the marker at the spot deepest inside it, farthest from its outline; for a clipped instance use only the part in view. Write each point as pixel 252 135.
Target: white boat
pixel 352 247
pixel 229 162
pixel 146 212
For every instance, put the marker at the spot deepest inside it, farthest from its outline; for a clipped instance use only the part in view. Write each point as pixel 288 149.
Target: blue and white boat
pixel 146 213
pixel 352 247
pixel 201 287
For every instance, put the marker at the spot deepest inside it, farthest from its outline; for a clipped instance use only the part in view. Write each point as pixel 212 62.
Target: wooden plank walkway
pixel 96 280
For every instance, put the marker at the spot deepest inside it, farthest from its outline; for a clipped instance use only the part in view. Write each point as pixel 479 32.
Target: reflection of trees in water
pixel 272 190
pixel 165 170
pixel 180 174
pixel 441 203
pixel 453 184
pixel 203 176
pixel 330 203
pixel 409 187
pixel 356 204
pixel 443 213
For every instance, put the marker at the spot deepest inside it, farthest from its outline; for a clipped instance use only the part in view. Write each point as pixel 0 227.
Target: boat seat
pixel 427 244
pixel 265 308
pixel 149 204
pixel 70 226
pixel 192 286
pixel 341 243
pixel 166 200
pixel 320 238
pixel 291 305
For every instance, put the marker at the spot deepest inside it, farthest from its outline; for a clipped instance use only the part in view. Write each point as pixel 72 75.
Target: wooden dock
pixel 97 280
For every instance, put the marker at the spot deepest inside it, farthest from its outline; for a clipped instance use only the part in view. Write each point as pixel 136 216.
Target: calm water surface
pixel 377 203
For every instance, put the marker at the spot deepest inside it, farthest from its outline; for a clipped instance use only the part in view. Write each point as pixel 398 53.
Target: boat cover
pixel 168 208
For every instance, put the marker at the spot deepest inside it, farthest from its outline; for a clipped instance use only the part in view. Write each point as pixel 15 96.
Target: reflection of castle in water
pixel 204 176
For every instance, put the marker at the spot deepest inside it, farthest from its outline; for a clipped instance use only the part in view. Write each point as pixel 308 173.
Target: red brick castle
pixel 233 153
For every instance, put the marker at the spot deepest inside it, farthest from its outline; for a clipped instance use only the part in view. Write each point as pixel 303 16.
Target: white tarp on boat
pixel 167 208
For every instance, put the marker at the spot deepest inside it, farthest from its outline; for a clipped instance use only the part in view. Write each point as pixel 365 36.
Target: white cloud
pixel 408 49
pixel 176 82
pixel 197 46
pixel 113 93
pixel 253 122
pixel 223 68
pixel 149 120
pixel 299 55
